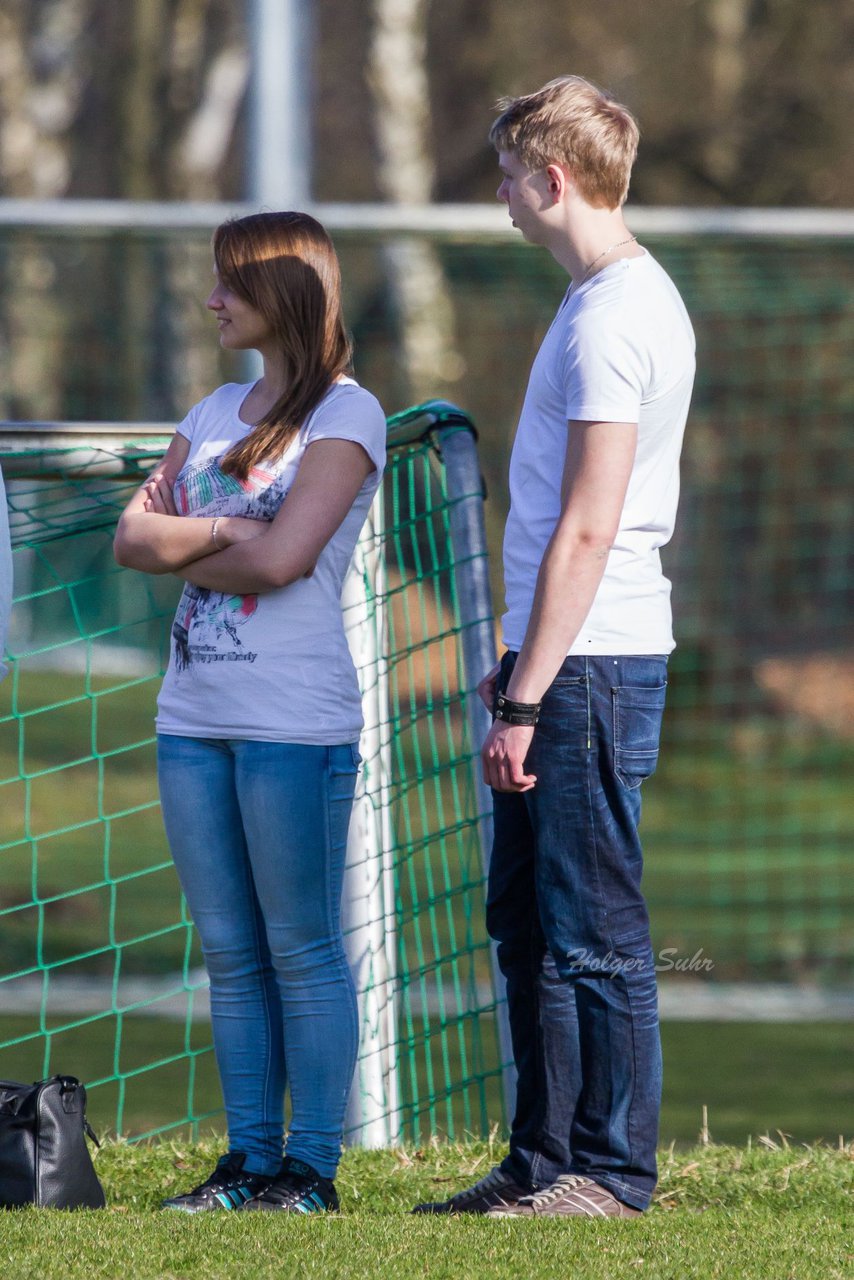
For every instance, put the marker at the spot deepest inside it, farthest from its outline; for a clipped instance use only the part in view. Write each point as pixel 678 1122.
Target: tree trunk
pixel 406 175
pixel 729 25
pixel 36 109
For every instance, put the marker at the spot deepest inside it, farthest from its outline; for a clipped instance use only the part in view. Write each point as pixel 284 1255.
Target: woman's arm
pixel 325 487
pixel 152 537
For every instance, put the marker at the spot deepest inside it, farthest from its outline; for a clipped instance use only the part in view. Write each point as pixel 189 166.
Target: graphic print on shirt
pixel 206 622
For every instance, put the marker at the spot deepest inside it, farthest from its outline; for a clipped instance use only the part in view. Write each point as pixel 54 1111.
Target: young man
pixel 579 694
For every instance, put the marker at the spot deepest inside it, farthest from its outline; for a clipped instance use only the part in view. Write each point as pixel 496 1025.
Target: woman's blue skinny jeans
pixel 258 832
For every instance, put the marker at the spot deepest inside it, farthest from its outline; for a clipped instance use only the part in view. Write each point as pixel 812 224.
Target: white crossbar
pixel 463 221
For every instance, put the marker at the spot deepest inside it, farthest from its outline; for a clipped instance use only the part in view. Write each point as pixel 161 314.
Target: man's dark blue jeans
pixel 565 906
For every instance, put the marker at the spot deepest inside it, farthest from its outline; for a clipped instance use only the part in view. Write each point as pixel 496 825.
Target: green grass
pixel 758 1077
pixel 769 1213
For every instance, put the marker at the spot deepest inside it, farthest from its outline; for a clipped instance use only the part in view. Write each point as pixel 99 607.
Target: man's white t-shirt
pixel 620 349
pixel 273 667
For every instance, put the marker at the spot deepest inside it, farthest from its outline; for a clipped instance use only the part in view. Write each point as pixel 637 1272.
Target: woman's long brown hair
pixel 285 266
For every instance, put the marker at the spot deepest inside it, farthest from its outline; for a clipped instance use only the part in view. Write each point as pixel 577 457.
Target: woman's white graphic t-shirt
pixel 276 666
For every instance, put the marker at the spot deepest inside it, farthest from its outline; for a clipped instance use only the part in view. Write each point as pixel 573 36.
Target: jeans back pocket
pixel 638 710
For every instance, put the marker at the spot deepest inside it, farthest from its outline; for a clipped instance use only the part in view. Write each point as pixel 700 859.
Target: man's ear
pixel 558 181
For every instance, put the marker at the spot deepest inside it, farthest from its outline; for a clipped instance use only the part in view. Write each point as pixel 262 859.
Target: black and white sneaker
pixel 296 1188
pixel 228 1187
pixel 497 1190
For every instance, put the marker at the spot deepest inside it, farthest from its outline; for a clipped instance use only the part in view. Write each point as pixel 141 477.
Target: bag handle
pixel 12 1099
pixel 69 1087
pixel 10 1102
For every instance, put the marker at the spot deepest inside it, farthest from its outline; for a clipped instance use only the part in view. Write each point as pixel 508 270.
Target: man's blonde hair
pixel 571 122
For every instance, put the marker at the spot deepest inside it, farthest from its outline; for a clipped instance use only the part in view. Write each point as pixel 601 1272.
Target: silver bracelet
pixel 216 521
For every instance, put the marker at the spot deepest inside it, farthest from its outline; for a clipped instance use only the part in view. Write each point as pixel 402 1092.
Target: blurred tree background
pixel 741 102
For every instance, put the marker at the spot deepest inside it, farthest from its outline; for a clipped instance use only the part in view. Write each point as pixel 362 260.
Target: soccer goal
pixel 101 971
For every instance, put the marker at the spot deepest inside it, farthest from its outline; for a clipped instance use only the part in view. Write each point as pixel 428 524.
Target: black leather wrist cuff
pixel 510 712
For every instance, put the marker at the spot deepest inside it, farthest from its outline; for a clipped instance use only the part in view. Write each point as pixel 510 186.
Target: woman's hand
pixel 172 541
pixel 324 489
pixel 160 500
pixel 158 495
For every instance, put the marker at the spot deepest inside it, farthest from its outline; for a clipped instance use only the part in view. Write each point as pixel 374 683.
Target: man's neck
pixel 591 241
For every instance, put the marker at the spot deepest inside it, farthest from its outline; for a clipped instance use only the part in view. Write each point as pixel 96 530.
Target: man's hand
pixel 503 757
pixel 487 687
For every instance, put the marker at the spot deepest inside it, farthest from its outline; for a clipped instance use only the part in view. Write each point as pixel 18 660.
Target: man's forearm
pixel 567 583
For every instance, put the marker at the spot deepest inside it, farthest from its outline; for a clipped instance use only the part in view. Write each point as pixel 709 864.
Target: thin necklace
pixel 604 254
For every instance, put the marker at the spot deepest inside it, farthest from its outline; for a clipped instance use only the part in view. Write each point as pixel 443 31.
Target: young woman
pixel 257 505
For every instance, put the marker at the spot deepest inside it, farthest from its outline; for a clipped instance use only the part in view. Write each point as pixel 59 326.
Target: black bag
pixel 44 1159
